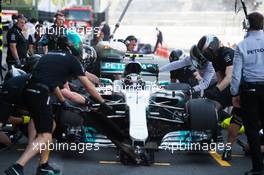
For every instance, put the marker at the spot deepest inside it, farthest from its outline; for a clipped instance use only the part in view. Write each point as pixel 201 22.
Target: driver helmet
pixel 89 55
pixel 176 55
pixel 71 41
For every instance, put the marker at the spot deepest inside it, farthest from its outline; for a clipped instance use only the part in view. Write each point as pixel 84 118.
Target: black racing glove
pixel 152 69
pixel 66 105
pixel 18 63
pixel 213 93
pixel 190 91
pixel 106 109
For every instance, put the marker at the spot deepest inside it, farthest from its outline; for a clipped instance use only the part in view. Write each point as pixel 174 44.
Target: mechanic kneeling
pixel 248 74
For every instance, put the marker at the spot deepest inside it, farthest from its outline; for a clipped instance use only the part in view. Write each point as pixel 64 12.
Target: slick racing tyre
pixel 202 116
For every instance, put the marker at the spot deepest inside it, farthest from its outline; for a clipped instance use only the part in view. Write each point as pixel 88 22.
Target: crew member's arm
pixel 176 65
pixel 30 45
pixel 197 76
pixel 72 96
pixel 13 49
pixel 208 74
pixel 45 49
pixel 92 77
pixel 237 72
pixel 31 49
pixel 226 80
pixel 90 88
pixel 12 46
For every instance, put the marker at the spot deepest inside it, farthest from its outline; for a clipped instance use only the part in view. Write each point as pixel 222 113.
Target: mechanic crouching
pixel 209 49
pixel 248 76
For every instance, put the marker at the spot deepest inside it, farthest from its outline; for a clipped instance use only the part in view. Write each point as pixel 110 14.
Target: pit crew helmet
pixel 197 57
pixel 89 56
pixel 129 39
pixel 71 40
pixel 208 45
pixel 176 55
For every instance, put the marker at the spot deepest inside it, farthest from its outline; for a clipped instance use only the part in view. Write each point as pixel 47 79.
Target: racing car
pixel 156 115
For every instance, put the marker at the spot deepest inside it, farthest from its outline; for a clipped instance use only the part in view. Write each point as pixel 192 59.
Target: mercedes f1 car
pixel 155 115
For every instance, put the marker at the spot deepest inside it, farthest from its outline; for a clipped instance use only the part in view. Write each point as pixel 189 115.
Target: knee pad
pixel 226 123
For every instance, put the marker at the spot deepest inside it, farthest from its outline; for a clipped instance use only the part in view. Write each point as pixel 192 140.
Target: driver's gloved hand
pixel 106 109
pixel 18 63
pixel 213 93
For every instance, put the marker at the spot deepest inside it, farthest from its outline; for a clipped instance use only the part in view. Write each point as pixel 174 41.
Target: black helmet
pixel 31 62
pixel 197 57
pixel 209 44
pixel 129 39
pixel 89 56
pixel 177 54
pixel 205 50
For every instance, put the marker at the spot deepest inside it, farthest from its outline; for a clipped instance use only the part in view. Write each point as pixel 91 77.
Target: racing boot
pixel 15 169
pixel 227 155
pixel 46 169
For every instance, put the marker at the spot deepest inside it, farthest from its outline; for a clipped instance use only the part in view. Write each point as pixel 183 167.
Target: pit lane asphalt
pixel 105 162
